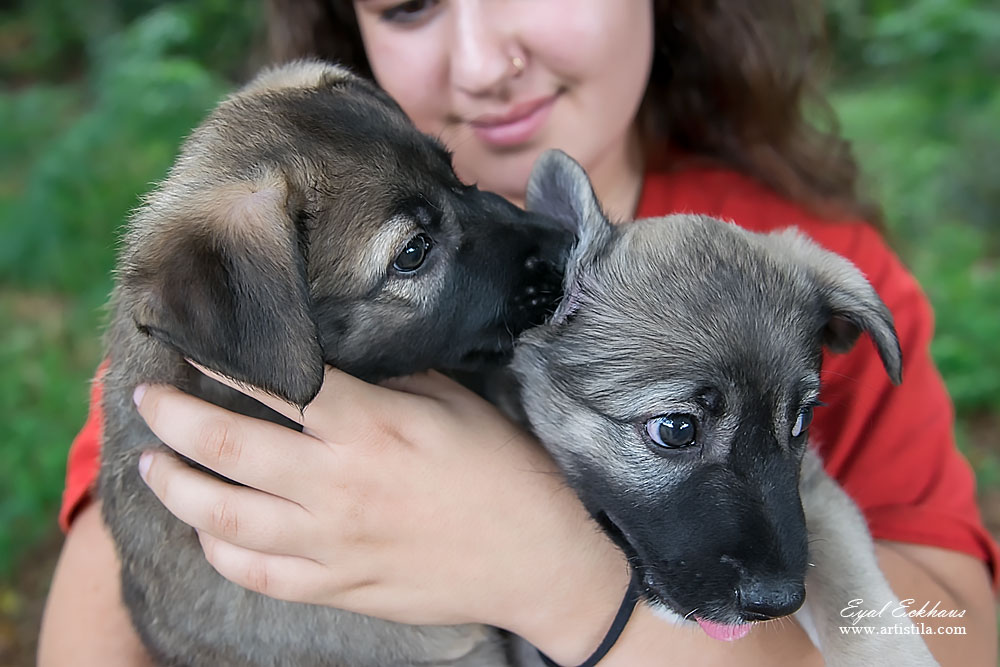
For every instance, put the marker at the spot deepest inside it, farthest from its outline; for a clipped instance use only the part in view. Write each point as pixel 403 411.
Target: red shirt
pixel 892 448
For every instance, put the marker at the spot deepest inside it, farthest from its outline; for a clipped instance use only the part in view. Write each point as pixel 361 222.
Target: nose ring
pixel 518 63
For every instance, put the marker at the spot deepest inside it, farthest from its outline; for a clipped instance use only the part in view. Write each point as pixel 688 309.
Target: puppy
pixel 674 386
pixel 306 222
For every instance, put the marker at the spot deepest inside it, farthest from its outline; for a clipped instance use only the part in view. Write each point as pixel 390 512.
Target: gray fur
pixel 265 254
pixel 294 196
pixel 688 315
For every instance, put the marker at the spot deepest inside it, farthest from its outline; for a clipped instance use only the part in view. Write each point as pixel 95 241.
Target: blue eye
pixel 407 12
pixel 802 421
pixel 672 431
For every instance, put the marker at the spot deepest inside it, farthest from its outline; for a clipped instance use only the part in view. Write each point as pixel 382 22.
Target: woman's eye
pixel 673 431
pixel 407 12
pixel 414 254
pixel 802 421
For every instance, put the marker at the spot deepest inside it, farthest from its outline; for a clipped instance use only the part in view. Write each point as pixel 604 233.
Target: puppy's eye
pixel 802 421
pixel 414 254
pixel 672 431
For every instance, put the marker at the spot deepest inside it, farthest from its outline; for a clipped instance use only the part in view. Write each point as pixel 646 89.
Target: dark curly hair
pixel 732 82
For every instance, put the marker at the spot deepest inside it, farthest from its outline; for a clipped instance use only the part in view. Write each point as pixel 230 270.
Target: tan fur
pixel 385 245
pixel 299 75
pixel 247 209
pixel 265 254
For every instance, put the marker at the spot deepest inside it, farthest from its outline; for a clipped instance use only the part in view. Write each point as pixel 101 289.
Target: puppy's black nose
pixel 763 599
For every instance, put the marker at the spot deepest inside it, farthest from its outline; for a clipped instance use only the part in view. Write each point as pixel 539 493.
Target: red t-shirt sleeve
pixel 83 463
pixel 891 448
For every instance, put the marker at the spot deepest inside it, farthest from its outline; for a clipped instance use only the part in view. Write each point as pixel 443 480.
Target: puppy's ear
pixel 851 301
pixel 298 74
pixel 559 188
pixel 220 277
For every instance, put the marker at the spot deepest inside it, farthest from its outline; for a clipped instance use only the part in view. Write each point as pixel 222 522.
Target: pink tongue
pixel 724 633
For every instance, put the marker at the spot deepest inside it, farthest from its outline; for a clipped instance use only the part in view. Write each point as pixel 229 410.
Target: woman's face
pixel 500 81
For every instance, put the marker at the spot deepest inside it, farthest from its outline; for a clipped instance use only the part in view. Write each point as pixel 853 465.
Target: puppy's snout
pixel 541 289
pixel 763 599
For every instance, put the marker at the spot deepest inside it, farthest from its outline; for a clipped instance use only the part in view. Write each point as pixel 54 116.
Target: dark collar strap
pixel 632 594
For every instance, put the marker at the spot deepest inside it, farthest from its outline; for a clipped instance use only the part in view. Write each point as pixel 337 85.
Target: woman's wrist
pixel 622 617
pixel 574 593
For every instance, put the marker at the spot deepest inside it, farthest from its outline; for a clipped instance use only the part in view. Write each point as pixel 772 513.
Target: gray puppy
pixel 675 385
pixel 305 222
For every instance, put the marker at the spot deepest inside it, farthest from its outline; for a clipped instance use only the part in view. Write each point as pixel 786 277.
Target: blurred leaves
pixel 48 349
pixel 59 39
pixel 131 80
pixel 918 97
pixel 948 43
pixel 963 282
pixel 142 94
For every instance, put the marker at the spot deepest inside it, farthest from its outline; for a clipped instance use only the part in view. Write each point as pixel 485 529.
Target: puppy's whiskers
pixel 430 203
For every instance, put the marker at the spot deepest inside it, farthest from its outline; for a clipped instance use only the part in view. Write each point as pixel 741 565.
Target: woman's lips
pixel 516 126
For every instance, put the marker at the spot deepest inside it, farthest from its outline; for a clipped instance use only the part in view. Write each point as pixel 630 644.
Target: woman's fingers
pixel 235 514
pixel 251 451
pixel 290 578
pixel 342 411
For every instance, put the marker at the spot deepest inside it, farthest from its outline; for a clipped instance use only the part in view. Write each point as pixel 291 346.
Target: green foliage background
pixel 96 96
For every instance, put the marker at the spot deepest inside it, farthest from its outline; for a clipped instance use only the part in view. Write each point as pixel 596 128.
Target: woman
pixel 416 501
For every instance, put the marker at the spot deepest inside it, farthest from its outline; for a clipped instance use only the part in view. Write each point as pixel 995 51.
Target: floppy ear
pixel 559 188
pixel 219 277
pixel 852 302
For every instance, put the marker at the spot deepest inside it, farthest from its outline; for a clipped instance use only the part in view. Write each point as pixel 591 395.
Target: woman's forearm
pixel 85 623
pixel 954 582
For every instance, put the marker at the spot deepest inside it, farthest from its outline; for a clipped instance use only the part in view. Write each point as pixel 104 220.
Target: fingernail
pixel 139 392
pixel 145 461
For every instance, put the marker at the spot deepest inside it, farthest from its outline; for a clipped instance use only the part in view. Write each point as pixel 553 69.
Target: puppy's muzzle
pixel 541 291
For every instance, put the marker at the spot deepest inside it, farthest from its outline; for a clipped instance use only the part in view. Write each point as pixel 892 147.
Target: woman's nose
pixel 481 49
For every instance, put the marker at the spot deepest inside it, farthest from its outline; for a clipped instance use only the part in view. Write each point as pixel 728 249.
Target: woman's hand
pixel 414 501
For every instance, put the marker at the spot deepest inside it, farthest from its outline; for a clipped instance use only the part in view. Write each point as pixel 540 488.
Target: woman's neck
pixel 617 178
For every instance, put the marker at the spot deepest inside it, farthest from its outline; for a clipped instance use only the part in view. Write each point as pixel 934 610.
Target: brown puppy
pixel 305 222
